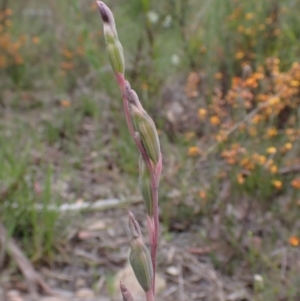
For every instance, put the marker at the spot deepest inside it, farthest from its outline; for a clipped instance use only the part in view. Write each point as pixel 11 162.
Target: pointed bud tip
pixel 122 287
pixel 134 227
pixel 103 11
pixel 125 293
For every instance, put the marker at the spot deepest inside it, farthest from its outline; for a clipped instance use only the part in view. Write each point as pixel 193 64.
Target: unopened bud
pixel 116 55
pixel 132 97
pixel 127 296
pixel 107 16
pixel 146 127
pixel 134 227
pixel 145 186
pixel 113 45
pixel 139 257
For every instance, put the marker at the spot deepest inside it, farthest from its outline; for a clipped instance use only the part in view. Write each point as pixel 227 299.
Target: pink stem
pixel 155 172
pixel 154 186
pixel 150 295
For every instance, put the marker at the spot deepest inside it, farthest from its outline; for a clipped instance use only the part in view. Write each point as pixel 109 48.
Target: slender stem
pixel 150 295
pixel 155 234
pixel 155 177
pixel 155 171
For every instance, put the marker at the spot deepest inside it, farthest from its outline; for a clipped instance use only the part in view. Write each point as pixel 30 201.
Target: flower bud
pixel 132 97
pixel 145 186
pixel 146 127
pixel 107 17
pixel 113 46
pixel 139 257
pixel 134 227
pixel 116 55
pixel 127 296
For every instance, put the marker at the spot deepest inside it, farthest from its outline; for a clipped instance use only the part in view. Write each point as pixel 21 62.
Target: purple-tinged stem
pixel 155 172
pixel 154 186
pixel 150 295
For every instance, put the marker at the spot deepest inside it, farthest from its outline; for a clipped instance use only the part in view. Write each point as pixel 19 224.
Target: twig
pixel 84 206
pixel 33 279
pixel 181 284
pixel 204 250
pixel 289 169
pixel 208 272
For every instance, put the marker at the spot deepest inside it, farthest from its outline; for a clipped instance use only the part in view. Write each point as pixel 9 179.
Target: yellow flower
pixel 271 150
pixel 239 55
pixel 145 86
pixel 294 241
pixel 294 83
pixel 8 12
pixel 296 183
pixel 277 184
pixel 258 75
pixel 67 53
pixel 65 103
pixel 252 131
pixel 240 178
pixel 259 159
pixel 36 40
pixel 289 132
pixel 189 136
pixel 202 113
pixel 221 137
pixel 273 169
pixel 251 82
pixel 202 194
pixel 241 28
pixel 287 146
pixel 215 120
pixel 249 16
pixel 271 132
pixel 274 100
pixel 218 75
pixel 256 119
pixel 194 151
pixel 247 164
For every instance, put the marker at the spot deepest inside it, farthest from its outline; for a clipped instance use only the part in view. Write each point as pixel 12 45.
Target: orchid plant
pixel 144 133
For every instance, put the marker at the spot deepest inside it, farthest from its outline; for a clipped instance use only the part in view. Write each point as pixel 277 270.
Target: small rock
pixel 53 299
pixel 84 293
pixel 173 271
pixel 96 226
pixel 80 282
pixel 14 295
pixel 238 295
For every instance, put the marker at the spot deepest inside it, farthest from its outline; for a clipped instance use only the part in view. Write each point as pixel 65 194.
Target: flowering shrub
pixel 11 58
pixel 254 125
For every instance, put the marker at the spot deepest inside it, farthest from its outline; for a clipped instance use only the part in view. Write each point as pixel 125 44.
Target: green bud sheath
pixel 145 186
pixel 140 261
pixel 114 50
pixel 146 127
